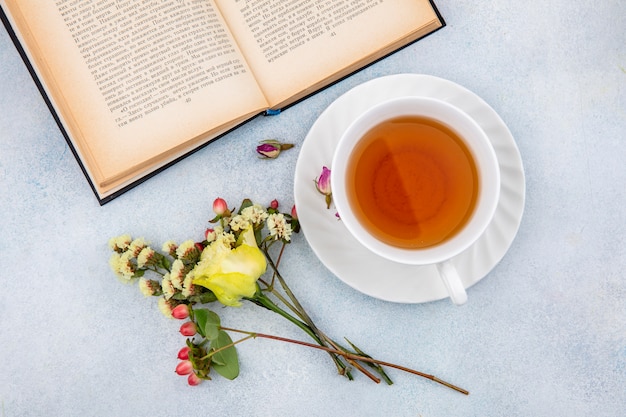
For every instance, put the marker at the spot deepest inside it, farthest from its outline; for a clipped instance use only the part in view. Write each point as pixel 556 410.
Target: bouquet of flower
pixel 229 266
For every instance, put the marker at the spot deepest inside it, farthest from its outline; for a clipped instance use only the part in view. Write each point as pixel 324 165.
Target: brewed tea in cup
pixel 416 181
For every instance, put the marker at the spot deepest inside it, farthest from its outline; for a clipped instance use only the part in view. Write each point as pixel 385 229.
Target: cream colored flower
pixel 120 243
pixel 278 227
pixel 254 213
pixel 177 275
pixel 144 288
pixel 149 287
pixel 145 257
pixel 170 247
pixel 137 245
pixel 166 307
pixel 185 249
pixel 225 239
pixel 122 265
pixel 167 287
pixel 114 262
pixel 189 288
pixel 239 222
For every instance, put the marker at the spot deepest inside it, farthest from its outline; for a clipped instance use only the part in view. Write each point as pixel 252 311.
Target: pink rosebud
pixel 193 379
pixel 219 206
pixel 323 185
pixel 274 204
pixel 323 182
pixel 184 368
pixel 188 329
pixel 294 213
pixel 183 354
pixel 180 312
pixel 268 150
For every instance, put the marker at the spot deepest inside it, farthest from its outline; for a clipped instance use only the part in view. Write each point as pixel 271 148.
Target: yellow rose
pixel 231 273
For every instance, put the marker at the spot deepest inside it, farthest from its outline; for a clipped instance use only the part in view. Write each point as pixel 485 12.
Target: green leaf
pixel 179 296
pixel 225 362
pixel 163 262
pixel 203 298
pixel 212 325
pixel 295 225
pixel 200 317
pixel 244 204
pixel 258 234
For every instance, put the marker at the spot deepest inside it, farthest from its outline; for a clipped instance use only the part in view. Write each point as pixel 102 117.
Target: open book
pixel 137 85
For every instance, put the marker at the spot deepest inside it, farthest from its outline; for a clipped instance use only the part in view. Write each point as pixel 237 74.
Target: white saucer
pixel 353 263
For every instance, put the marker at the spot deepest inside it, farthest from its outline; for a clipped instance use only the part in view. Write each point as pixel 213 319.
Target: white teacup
pixel 467 228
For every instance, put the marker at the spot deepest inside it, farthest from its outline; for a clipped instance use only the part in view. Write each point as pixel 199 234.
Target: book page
pixel 296 46
pixel 137 82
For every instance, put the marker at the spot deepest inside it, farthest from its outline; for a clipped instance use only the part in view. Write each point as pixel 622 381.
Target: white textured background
pixel 544 334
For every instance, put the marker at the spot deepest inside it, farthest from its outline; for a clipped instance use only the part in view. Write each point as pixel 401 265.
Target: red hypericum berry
pixel 193 379
pixel 219 206
pixel 180 312
pixel 184 368
pixel 183 354
pixel 188 329
pixel 274 204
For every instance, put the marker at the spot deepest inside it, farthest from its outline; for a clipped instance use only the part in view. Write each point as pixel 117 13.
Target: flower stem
pixel 213 352
pixel 270 288
pixel 349 355
pixel 300 310
pixel 302 314
pixel 262 300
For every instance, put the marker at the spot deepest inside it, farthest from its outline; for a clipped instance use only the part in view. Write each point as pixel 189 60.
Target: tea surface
pixel 412 182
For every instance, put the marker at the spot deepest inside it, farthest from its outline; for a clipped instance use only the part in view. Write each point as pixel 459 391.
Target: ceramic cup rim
pixel 478 144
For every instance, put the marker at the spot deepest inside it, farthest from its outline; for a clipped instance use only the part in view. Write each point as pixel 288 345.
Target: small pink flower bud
pixel 193 379
pixel 268 150
pixel 180 312
pixel 184 368
pixel 294 213
pixel 183 354
pixel 219 206
pixel 274 204
pixel 323 185
pixel 199 246
pixel 323 182
pixel 209 235
pixel 188 329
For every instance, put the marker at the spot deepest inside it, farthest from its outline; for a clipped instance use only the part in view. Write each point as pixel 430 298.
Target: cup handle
pixel 452 281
